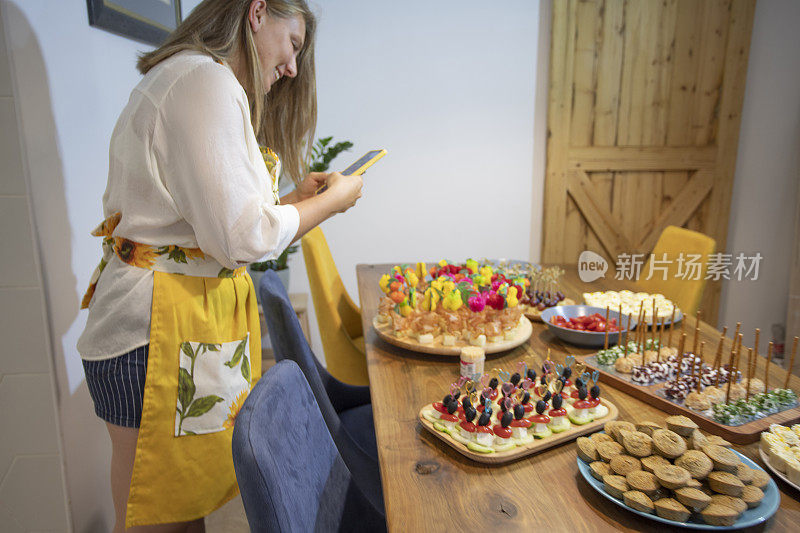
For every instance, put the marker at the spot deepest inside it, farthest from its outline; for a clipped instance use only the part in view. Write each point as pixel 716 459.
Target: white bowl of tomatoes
pixel 584 325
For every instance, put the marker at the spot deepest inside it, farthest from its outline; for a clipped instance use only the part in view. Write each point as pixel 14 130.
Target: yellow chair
pixel 673 241
pixel 338 317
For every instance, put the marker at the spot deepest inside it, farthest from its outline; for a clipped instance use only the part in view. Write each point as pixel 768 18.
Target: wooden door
pixel 645 102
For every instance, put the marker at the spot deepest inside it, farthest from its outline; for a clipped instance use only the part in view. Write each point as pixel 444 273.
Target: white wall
pixel 767 172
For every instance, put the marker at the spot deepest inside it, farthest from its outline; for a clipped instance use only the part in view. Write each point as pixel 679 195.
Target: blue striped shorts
pixel 116 386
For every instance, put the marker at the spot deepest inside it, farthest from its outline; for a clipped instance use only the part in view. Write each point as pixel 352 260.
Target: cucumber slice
pixel 504 447
pixel 439 427
pixel 428 415
pixel 580 421
pixel 475 447
pixel 560 429
pixel 543 435
pixel 461 439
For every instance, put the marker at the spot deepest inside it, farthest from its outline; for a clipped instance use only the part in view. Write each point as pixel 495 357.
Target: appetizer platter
pixel 543 292
pixel 498 417
pixel 674 474
pixel 449 306
pixel 726 398
pixel 780 451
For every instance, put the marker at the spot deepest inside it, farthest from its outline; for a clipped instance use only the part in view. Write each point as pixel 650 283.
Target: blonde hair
pixel 285 118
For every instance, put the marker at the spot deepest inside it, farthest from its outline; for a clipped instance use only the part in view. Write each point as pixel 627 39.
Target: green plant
pixel 322 153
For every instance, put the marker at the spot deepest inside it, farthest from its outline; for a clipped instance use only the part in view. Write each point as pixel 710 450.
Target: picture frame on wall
pixel 148 21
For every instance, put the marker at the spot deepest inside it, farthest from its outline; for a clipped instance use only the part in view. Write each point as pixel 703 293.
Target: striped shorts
pixel 116 386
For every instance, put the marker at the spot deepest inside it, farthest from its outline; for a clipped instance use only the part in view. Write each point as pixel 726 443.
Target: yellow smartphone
pixel 360 166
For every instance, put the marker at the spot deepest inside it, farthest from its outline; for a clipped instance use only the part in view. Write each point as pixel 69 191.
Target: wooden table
pixel 428 486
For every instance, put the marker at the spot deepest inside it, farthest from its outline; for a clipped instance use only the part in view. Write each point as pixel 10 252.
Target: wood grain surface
pixel 430 487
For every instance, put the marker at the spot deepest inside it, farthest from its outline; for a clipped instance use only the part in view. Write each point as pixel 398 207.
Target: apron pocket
pixel 213 383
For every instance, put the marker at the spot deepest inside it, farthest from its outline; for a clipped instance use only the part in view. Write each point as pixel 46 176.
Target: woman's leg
pixel 123 451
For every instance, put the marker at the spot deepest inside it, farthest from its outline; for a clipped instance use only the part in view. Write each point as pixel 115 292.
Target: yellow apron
pixel 204 357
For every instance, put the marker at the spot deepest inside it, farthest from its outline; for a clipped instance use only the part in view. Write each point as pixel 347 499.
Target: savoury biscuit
pixel 693 483
pixel 682 425
pixel 694 499
pixel 607 450
pixel 647 427
pixel 737 504
pixel 697 463
pixel 599 469
pixel 719 515
pixel 725 483
pixel 760 478
pixel 600 437
pixel 744 473
pixel 615 485
pixel 623 464
pixel 697 440
pixel 637 443
pixel 752 496
pixel 668 443
pixel 723 458
pixel 620 425
pixel 638 501
pixel 672 477
pixel 643 481
pixel 649 463
pixel 586 449
pixel 672 509
pixel 719 441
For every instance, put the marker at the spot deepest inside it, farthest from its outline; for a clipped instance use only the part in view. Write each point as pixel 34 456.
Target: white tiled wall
pixel 31 470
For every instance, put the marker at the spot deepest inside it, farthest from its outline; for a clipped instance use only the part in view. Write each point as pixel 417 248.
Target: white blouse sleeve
pixel 200 142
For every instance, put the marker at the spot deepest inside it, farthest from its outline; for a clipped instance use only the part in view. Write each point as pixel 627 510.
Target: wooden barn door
pixel 644 108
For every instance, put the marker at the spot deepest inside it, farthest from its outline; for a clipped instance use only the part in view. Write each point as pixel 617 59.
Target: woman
pixel 172 342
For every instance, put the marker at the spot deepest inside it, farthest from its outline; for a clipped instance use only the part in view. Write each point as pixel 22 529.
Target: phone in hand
pixel 360 166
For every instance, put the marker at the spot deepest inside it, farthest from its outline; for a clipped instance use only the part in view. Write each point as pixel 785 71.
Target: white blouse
pixel 184 169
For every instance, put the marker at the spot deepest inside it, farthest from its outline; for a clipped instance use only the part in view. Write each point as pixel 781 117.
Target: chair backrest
pixel 290 473
pixel 673 242
pixel 338 317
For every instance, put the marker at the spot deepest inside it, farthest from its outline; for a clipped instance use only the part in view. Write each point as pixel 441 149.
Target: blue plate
pixel 749 518
pixel 582 338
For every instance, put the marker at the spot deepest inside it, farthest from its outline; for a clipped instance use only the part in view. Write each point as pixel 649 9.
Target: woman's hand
pixel 310 184
pixel 345 190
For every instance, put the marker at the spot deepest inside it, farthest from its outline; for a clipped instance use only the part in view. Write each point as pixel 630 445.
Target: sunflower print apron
pixel 204 357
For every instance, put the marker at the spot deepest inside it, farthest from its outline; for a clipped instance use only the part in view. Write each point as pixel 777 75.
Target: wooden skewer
pixel 654 323
pixel 755 351
pixel 738 350
pixel 791 363
pixel 653 328
pixel 627 330
pixel 605 339
pixel 680 350
pixel 736 334
pixel 700 367
pixel 696 331
pixel 683 326
pixel 749 372
pixel 660 332
pixel 718 357
pixel 766 370
pixel 671 325
pixel 641 327
pixel 730 374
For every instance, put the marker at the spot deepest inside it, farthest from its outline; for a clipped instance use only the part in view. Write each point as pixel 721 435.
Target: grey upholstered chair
pixel 291 474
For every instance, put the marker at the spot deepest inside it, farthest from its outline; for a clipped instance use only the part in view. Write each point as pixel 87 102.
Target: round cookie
pixel 719 441
pixel 744 473
pixel 615 485
pixel 697 440
pixel 696 463
pixel 668 443
pixel 682 425
pixel 737 504
pixel 600 437
pixel 637 444
pixel 760 478
pixel 608 450
pixel 725 483
pixel 586 449
pixel 647 427
pixel 719 515
pixel 724 459
pixel 599 469
pixel 642 481
pixel 752 496
pixel 638 501
pixel 614 427
pixel 623 464
pixel 694 499
pixel 672 509
pixel 649 463
pixel 672 477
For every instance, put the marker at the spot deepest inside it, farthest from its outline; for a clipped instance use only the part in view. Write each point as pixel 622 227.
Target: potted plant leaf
pixel 322 154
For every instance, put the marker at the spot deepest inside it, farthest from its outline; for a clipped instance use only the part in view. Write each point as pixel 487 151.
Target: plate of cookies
pixel 675 474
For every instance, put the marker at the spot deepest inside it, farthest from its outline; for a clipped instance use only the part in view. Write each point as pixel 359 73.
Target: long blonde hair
pixel 284 119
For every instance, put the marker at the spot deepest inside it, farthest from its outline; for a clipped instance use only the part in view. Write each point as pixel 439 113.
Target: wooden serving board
pixel 535 315
pixel 384 331
pixel 743 434
pixel 528 449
